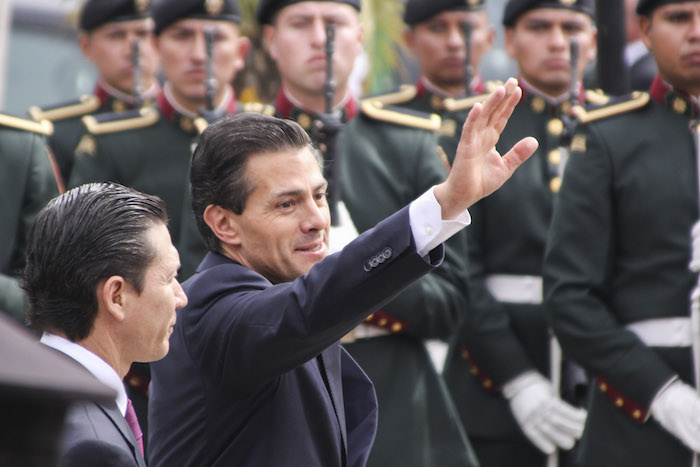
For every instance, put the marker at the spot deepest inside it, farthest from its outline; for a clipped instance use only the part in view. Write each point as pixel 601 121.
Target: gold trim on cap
pixel 214 7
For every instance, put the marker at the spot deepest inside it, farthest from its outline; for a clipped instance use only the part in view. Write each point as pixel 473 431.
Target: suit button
pixel 387 253
pixel 374 262
pixel 367 267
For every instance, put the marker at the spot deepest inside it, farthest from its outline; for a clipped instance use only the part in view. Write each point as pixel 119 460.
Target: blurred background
pixel 40 62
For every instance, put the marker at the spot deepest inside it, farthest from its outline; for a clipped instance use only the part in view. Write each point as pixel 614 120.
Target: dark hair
pixel 218 172
pixel 88 234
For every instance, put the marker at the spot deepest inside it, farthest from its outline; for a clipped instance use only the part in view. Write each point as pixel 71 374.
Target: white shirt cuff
pixel 428 228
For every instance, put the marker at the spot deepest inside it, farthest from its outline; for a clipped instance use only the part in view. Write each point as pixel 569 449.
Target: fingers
pixel 520 153
pixel 537 438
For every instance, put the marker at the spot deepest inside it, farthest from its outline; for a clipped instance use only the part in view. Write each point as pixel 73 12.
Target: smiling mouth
pixel 311 249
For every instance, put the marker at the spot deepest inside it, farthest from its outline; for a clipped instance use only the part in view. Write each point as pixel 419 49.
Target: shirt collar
pixel 93 363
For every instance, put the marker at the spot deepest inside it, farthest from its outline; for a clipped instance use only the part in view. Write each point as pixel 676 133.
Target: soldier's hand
pixel 677 409
pixel 478 169
pixel 546 420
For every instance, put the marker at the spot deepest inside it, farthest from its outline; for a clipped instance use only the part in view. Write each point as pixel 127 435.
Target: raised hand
pixel 478 169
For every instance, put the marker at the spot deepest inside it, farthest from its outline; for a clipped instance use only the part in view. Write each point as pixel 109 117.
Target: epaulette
pixel 596 97
pixel 463 103
pixel 43 127
pixel 121 121
pixel 400 115
pixel 634 101
pixel 87 104
pixel 405 93
pixel 257 107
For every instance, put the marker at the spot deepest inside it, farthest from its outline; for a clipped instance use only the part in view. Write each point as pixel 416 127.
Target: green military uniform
pixel 66 117
pixel 618 257
pixel 68 127
pixel 390 157
pixel 423 97
pixel 504 337
pixel 28 179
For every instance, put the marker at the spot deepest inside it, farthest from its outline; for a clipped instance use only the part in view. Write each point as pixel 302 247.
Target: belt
pixel 511 288
pixel 663 332
pixel 364 331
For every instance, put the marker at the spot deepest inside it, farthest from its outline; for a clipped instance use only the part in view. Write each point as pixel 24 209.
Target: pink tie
pixel 134 424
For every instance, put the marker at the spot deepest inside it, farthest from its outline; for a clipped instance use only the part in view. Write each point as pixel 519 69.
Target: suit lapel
pixel 112 411
pixel 331 360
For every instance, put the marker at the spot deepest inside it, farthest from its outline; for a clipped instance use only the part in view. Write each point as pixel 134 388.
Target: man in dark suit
pixel 101 284
pixel 256 375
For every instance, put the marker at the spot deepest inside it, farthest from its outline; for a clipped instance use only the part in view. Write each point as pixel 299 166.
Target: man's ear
pixel 84 44
pixel 243 49
pixel 112 297
pixel 223 223
pixel 645 30
pixel 268 40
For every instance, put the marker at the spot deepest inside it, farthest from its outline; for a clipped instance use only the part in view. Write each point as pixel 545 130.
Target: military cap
pixel 267 9
pixel 166 12
pixel 516 8
pixel 95 13
pixel 645 7
pixel 421 10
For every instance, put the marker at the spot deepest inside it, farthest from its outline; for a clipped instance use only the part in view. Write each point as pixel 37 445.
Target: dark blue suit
pixel 255 375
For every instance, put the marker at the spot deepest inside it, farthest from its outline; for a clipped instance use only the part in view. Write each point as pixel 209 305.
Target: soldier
pixel 499 368
pixel 617 284
pixel 437 37
pixel 28 179
pixel 150 149
pixel 108 31
pixel 387 156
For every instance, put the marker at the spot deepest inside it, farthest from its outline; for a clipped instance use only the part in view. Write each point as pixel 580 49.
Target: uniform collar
pixel 290 108
pixel 676 100
pixel 426 90
pixel 184 119
pixel 114 100
pixel 541 103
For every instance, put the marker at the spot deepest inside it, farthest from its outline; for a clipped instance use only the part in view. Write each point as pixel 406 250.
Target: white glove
pixel 546 420
pixel 343 233
pixel 677 409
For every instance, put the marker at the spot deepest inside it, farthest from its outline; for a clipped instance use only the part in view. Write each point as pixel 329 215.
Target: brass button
pixel 555 184
pixel 464 353
pixel 473 369
pixel 436 102
pixel 566 107
pixel 383 322
pixel 637 414
pixel 554 157
pixel 555 126
pixel 118 106
pixel 603 387
pixel 186 125
pixel 488 383
pixel 370 317
pixel 396 327
pixel 538 105
pixel 304 121
pixel 679 105
pixel 619 402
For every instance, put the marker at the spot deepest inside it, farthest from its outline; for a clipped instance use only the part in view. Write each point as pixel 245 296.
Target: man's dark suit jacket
pixel 97 435
pixel 242 384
